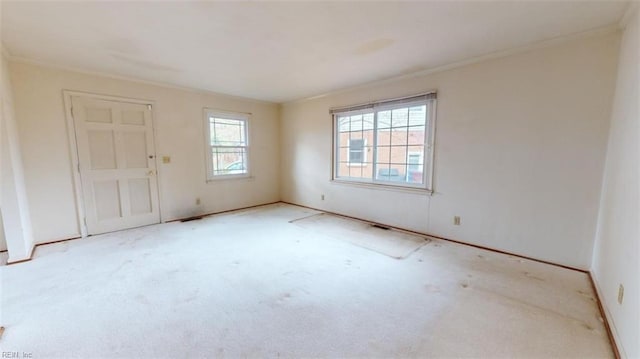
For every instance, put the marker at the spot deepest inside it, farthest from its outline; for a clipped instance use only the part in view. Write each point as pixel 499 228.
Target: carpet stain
pixel 587 326
pixel 432 288
pixel 122 265
pixel 529 275
pixel 142 299
pixel 193 296
pixel 269 311
pixel 586 295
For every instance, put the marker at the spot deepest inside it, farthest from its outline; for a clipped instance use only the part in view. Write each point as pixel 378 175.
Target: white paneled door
pixel 117 164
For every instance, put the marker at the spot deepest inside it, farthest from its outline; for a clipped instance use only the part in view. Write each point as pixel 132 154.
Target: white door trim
pixel 73 150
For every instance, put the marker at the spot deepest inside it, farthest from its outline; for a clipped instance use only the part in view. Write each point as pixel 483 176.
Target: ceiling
pixel 281 51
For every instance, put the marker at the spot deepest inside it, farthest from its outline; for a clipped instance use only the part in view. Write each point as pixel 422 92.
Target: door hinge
pixel 149 107
pixel 72 112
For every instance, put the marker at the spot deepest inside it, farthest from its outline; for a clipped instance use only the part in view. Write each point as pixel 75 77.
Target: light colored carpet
pixel 390 242
pixel 251 284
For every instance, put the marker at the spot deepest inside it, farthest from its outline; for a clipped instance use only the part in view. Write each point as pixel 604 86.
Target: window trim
pixel 239 116
pixel 430 100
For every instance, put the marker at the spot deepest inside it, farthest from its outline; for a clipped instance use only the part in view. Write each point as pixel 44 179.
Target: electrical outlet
pixel 620 293
pixel 322 197
pixel 456 220
pixel 197 201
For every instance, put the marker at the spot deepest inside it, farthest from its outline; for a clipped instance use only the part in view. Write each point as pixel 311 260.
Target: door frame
pixel 73 151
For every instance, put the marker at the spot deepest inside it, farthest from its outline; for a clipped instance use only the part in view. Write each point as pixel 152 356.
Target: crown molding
pixel 600 31
pixel 40 63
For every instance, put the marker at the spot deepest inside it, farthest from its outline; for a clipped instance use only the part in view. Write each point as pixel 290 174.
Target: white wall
pixel 3 242
pixel 16 221
pixel 178 121
pixel 616 258
pixel 520 146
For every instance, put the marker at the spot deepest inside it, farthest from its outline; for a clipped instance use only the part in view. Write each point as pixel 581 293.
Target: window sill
pixel 384 187
pixel 230 177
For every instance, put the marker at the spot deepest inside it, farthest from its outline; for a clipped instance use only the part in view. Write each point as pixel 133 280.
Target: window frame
pixel 228 115
pixel 429 141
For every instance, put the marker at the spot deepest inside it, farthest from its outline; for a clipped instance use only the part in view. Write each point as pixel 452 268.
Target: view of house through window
pixel 227 144
pixel 385 143
pixel 356 151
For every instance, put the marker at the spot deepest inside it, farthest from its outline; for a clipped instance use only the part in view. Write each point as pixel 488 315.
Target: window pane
pixel 416 149
pixel 382 154
pixel 398 172
pixel 353 128
pixel 417 115
pixel 356 123
pixel 367 170
pixel 384 119
pixel 342 169
pixel 391 173
pixel 367 121
pixel 384 137
pixel 414 160
pixel 356 156
pixel 343 123
pixel 399 136
pixel 227 132
pixel 356 151
pixel 415 167
pixel 399 154
pixel 343 139
pixel 355 172
pixel 228 161
pixel 368 136
pixel 343 154
pixel 416 135
pixel 399 117
pixel 356 135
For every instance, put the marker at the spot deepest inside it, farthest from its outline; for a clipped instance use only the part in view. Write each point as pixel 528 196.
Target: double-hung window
pixel 227 146
pixel 386 143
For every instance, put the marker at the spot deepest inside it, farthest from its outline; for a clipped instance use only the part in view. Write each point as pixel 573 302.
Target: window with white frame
pixel 390 141
pixel 227 150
